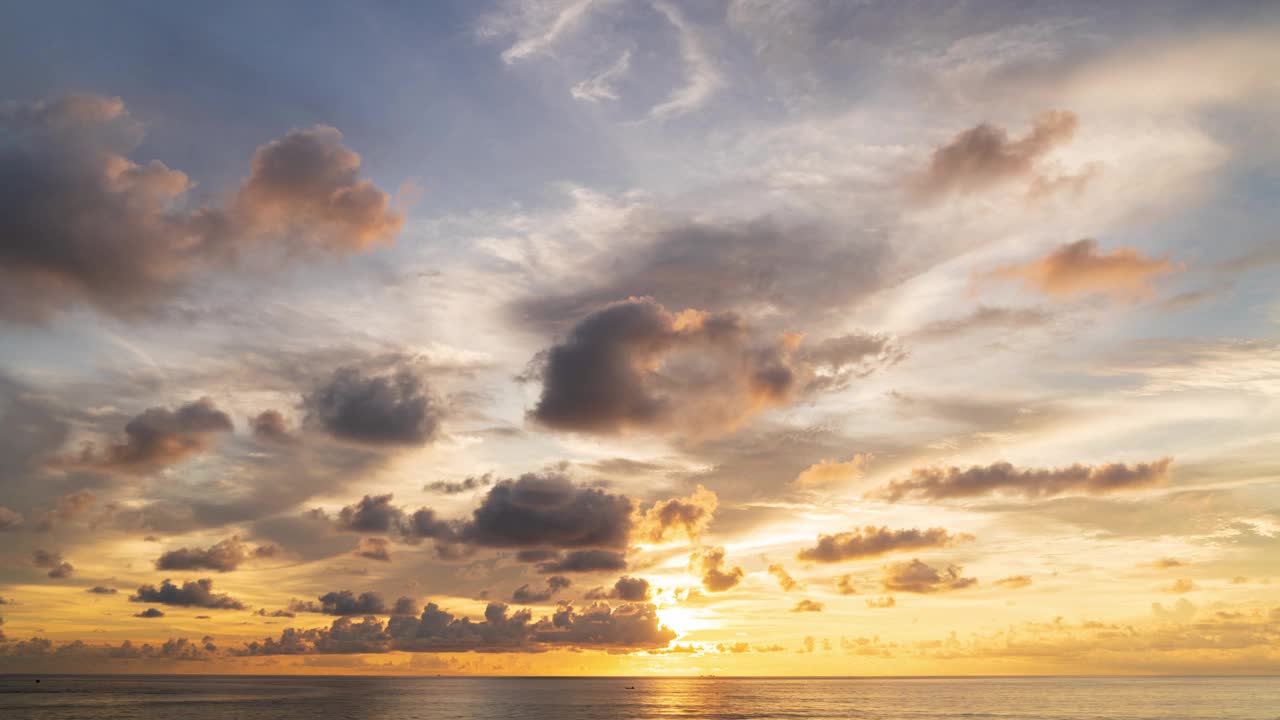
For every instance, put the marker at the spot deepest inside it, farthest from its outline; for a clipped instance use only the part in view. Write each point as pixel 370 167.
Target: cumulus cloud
pixel 585 561
pixel 84 223
pixel 635 366
pixel 1003 478
pixel 158 438
pixel 381 410
pixel 525 595
pixel 473 482
pixel 871 541
pixel 374 549
pixel 548 509
pixel 269 426
pixel 150 613
pixel 197 593
pixel 985 156
pixel 374 513
pixel 915 576
pixel 224 556
pixel 1014 582
pixel 629 627
pixel 709 564
pixel 57 567
pixel 1081 267
pixel 690 516
pixel 343 602
pixel 627 589
pixel 832 472
pixel 785 581
pixel 807 606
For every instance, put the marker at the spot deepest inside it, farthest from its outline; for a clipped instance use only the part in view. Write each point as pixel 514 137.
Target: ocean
pixel 438 698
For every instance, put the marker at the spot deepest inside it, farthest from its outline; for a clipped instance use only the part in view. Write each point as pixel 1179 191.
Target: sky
pixel 626 337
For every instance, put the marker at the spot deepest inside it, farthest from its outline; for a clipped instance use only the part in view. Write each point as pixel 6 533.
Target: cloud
pixel 344 602
pixel 915 576
pixel 198 593
pixel 881 602
pixel 66 508
pixel 635 366
pixel 374 513
pixel 1164 563
pixel 874 542
pixel 984 156
pixel 374 549
pixel 1005 479
pixel 627 589
pixel 225 556
pixel 382 410
pixel 601 86
pixel 1014 582
pixel 832 472
pixel 1180 586
pixel 269 426
pixel 150 613
pixel 985 317
pixel 1079 267
pixel 785 581
pixel 158 438
pixel 58 568
pixel 537 26
pixel 83 223
pixel 585 561
pixel 629 627
pixel 807 606
pixel 709 564
pixel 9 519
pixel 548 509
pixel 524 595
pixel 846 585
pixel 702 79
pixel 474 482
pixel 690 515
pixel 102 590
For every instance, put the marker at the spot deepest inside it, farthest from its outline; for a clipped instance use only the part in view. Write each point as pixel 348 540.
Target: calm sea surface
pixel 324 698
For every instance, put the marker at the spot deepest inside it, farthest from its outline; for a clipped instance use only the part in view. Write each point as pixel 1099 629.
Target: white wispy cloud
pixel 703 79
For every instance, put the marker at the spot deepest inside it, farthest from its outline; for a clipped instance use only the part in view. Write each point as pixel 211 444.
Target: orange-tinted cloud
pixel 709 564
pixel 1079 268
pixel 915 576
pixel 872 541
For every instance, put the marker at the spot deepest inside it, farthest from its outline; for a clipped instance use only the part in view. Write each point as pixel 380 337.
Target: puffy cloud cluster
pixel 524 595
pixel 80 222
pixel 224 556
pixel 197 593
pixel 690 515
pixel 269 426
pixel 1080 267
pixel 380 410
pixel 915 576
pixel 635 366
pixel 985 156
pixel 627 589
pixel 548 509
pixel 53 562
pixel 159 437
pixel 709 564
pixel 627 627
pixel 345 602
pixel 873 542
pixel 1003 478
pixel 373 548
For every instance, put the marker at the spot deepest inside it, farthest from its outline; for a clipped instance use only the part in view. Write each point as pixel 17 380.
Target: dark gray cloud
pixel 345 602
pixel 585 561
pixel 374 548
pixel 628 627
pixel 82 223
pixel 915 576
pixel 474 482
pixel 159 437
pixel 871 541
pixel 1005 479
pixel 224 556
pixel 548 509
pixel 197 593
pixel 150 613
pixel 709 564
pixel 763 267
pixel 635 366
pixel 270 426
pixel 374 513
pixel 525 595
pixel 53 562
pixel 395 409
pixel 984 156
pixel 102 590
pixel 627 589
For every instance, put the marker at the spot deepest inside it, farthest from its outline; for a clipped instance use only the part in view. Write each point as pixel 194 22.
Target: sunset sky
pixel 729 337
